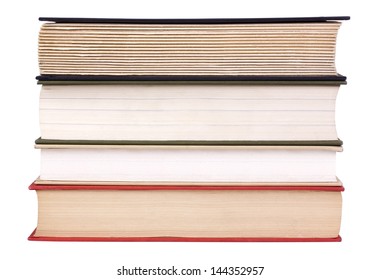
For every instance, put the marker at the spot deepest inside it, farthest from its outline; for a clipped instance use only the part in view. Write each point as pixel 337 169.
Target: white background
pixel 358 118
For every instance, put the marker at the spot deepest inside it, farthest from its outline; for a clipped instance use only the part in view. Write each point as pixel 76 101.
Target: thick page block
pixel 186 213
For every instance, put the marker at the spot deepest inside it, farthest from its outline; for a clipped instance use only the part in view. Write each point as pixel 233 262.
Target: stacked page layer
pixel 184 111
pixel 117 213
pixel 256 48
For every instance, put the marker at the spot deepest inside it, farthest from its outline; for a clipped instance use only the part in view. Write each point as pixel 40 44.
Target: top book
pixel 284 47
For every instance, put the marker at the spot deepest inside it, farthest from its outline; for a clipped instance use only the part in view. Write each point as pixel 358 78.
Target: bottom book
pixel 187 213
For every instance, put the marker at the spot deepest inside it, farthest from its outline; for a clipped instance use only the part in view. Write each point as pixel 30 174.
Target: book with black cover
pixel 243 47
pixel 187 112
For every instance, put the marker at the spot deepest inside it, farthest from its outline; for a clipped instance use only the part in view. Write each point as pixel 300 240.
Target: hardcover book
pixel 254 47
pixel 164 111
pixel 144 213
pixel 185 163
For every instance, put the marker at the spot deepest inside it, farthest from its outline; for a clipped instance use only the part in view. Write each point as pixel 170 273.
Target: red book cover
pixel 32 237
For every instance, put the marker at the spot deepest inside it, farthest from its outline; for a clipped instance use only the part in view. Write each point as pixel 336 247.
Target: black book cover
pixel 193 20
pixel 336 142
pixel 211 78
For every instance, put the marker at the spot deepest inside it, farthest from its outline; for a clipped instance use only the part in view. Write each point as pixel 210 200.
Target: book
pixel 127 213
pixel 189 111
pixel 185 163
pixel 171 47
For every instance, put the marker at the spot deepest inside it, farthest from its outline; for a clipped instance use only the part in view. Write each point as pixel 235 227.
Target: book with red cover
pixel 188 213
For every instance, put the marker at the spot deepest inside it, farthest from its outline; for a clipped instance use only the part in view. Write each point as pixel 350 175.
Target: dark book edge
pixel 336 142
pixel 216 187
pixel 33 237
pixel 270 83
pixel 193 20
pixel 190 78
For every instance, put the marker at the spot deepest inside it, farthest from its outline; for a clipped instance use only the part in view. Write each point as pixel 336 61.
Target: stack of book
pixel 188 130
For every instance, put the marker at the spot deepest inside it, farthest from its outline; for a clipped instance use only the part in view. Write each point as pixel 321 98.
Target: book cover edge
pixel 216 187
pixel 337 142
pixel 33 237
pixel 339 79
pixel 193 20
pixel 39 181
